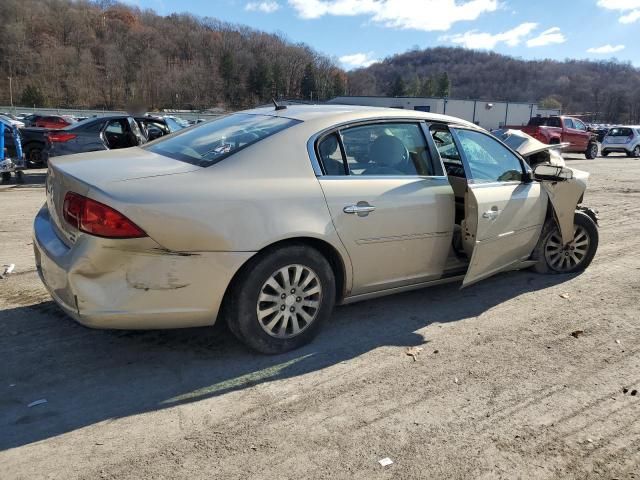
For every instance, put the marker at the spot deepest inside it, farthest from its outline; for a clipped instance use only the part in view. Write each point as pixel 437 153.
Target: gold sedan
pixel 269 217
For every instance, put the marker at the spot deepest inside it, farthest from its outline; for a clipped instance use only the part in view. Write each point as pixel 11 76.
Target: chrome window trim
pixel 315 162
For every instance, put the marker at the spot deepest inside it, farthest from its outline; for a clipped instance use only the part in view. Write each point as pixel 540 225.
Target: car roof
pixel 340 113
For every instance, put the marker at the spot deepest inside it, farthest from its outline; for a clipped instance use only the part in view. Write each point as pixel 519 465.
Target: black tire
pixel 34 157
pixel 592 151
pixel 635 153
pixel 582 222
pixel 242 305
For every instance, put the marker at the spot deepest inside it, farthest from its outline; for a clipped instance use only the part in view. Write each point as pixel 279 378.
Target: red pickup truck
pixel 569 130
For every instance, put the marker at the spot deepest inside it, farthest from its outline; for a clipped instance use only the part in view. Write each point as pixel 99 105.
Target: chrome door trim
pixel 311 143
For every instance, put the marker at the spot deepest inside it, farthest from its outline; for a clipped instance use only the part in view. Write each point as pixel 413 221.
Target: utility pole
pixel 11 93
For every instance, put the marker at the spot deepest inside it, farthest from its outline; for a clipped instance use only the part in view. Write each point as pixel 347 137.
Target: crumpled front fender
pixel 564 197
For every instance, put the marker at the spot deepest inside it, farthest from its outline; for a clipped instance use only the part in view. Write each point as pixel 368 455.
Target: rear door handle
pixel 362 209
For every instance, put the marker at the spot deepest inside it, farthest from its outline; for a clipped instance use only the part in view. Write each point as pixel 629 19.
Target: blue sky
pixel 358 32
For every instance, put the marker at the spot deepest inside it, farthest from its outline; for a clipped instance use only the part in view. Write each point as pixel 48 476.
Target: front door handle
pixel 492 214
pixel 362 209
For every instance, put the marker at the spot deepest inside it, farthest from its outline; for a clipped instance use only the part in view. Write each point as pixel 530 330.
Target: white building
pixel 489 115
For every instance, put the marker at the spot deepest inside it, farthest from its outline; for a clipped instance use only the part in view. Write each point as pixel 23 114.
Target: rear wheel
pixel 592 151
pixel 34 157
pixel 281 299
pixel 553 257
pixel 635 152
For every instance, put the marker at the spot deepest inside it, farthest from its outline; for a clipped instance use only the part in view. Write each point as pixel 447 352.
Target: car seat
pixel 389 157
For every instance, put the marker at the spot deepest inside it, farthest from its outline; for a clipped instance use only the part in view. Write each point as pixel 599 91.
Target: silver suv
pixel 623 140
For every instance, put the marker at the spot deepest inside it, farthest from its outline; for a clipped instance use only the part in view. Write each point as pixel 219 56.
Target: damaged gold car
pixel 269 217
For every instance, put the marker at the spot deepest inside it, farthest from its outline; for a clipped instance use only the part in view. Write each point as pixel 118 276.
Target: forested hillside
pixel 107 55
pixel 610 90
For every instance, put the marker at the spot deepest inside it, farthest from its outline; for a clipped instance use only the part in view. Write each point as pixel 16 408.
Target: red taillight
pixel 61 137
pixel 98 219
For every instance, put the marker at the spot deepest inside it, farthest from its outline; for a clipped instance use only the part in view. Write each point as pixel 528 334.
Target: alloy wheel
pixel 636 151
pixel 289 301
pixel 563 259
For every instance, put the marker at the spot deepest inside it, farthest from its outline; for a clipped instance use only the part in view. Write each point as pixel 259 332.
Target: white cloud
pixel 425 15
pixel 548 37
pixel 630 9
pixel 606 49
pixel 267 6
pixel 358 60
pixel 631 17
pixel 482 40
pixel 619 4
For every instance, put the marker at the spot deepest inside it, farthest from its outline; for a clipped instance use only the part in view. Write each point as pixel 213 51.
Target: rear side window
pixel 620 132
pixel 379 149
pixel 213 141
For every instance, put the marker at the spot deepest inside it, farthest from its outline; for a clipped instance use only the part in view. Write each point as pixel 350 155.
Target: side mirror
pixel 551 173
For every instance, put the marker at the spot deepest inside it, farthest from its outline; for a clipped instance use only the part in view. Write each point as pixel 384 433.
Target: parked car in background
pixel 263 218
pixel 155 127
pixel 622 140
pixel 92 134
pixel 561 129
pixel 11 120
pixel 49 121
pixel 99 133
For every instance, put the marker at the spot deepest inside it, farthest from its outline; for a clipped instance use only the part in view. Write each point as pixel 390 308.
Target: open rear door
pixel 502 225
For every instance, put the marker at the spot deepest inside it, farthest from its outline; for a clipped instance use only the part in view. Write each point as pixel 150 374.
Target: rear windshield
pixel 620 132
pixel 210 142
pixel 545 121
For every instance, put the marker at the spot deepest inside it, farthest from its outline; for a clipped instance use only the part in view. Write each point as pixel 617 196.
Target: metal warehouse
pixel 487 114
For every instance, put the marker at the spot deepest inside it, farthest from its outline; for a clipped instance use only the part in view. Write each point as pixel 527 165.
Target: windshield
pixel 210 142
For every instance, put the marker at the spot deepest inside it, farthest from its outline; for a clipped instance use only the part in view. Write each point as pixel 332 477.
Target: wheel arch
pixel 329 252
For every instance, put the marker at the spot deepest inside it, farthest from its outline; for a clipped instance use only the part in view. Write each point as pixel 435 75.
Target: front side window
pixel 386 149
pixel 488 159
pixel 568 123
pixel 579 125
pixel 213 141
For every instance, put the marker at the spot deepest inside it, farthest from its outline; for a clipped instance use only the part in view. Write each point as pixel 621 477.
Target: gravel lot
pixel 501 389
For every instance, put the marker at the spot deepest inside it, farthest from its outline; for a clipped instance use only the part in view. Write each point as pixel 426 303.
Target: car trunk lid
pixel 83 172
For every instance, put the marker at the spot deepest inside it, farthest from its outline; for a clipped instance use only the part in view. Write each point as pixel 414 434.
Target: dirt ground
pixel 501 389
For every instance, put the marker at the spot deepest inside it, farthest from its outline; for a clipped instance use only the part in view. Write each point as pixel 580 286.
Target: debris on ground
pixel 37 402
pixel 414 352
pixel 455 380
pixel 618 341
pixel 625 390
pixel 634 393
pixel 565 296
pixel 577 333
pixel 385 462
pixel 8 269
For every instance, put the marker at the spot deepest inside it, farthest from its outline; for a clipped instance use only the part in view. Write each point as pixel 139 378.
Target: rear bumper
pixel 131 284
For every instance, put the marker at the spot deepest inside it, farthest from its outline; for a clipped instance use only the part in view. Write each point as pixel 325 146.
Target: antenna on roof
pixel 278 107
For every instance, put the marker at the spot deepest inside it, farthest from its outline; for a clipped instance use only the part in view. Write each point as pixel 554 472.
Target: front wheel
pixel 281 299
pixel 553 257
pixel 592 151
